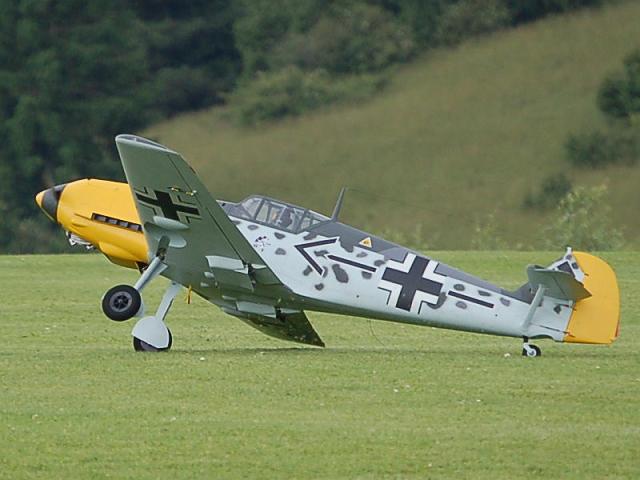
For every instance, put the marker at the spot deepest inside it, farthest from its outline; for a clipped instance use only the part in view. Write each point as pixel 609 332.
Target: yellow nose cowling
pixel 101 213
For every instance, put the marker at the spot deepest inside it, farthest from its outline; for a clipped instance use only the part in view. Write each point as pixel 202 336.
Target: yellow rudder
pixel 595 319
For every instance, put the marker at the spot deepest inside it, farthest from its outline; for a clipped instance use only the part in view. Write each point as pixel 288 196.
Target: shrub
pixel 182 88
pixel 597 149
pixel 421 17
pixel 619 94
pixel 471 17
pixel 292 91
pixel 528 10
pixel 583 221
pixel 552 190
pixel 261 25
pixel 349 38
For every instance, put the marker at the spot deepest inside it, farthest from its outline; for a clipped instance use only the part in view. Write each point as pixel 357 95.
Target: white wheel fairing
pixel 152 331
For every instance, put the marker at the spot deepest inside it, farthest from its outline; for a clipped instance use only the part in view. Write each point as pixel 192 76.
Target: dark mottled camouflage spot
pixel 366 275
pixel 347 247
pixel 320 253
pixel 459 287
pixel 279 235
pixel 484 293
pixel 307 271
pixel 325 272
pixel 361 254
pixel 340 274
pixel 441 298
pixel 281 251
pixel 252 227
pixel 505 301
pixel 237 222
pixel 319 286
pixel 461 305
pixel 309 236
pixel 377 263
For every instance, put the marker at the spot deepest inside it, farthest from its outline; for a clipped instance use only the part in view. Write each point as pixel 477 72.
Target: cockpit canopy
pixel 276 214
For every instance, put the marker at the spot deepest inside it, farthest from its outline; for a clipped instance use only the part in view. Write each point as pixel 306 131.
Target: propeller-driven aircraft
pixel 266 262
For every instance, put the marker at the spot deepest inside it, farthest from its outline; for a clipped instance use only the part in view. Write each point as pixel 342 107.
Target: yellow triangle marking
pixel 366 242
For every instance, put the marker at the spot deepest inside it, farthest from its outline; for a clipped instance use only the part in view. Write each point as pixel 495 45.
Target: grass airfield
pixel 381 401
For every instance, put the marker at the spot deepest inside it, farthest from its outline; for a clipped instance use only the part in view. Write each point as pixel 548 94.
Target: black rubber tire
pixel 121 302
pixel 140 346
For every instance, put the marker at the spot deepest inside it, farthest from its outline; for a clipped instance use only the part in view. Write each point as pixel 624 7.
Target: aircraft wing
pixel 178 214
pixel 201 244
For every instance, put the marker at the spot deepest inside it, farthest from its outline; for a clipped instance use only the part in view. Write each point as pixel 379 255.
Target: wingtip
pixel 134 140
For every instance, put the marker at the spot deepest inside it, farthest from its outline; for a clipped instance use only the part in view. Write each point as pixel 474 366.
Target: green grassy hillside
pixel 458 135
pixel 383 400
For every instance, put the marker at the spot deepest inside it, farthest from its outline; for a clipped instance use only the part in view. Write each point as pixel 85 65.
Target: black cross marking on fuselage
pixel 411 282
pixel 166 204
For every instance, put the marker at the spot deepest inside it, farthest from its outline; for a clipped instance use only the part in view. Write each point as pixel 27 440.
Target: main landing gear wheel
pixel 142 346
pixel 529 350
pixel 121 302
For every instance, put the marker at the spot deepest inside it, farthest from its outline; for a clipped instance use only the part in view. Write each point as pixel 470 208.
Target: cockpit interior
pixel 276 214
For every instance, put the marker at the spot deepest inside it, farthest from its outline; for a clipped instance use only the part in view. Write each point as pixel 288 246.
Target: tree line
pixel 73 73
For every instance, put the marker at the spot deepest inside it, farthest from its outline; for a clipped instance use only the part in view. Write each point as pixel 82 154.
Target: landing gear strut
pixel 529 349
pixel 122 302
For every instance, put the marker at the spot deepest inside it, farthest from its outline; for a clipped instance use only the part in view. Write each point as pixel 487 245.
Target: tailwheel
pixel 121 302
pixel 530 350
pixel 142 346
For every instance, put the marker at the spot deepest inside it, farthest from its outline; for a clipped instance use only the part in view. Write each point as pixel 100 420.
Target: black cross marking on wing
pixel 169 208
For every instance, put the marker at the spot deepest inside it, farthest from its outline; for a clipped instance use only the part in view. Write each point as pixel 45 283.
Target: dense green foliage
pixel 619 95
pixel 552 189
pixel 351 38
pixel 619 143
pixel 615 145
pixel 303 56
pixel 292 91
pixel 471 17
pixel 527 10
pixel 74 74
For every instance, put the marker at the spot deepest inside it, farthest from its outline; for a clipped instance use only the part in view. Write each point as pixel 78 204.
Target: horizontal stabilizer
pixel 557 283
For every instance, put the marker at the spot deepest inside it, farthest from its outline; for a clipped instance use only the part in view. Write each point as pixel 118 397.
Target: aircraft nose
pixel 49 199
